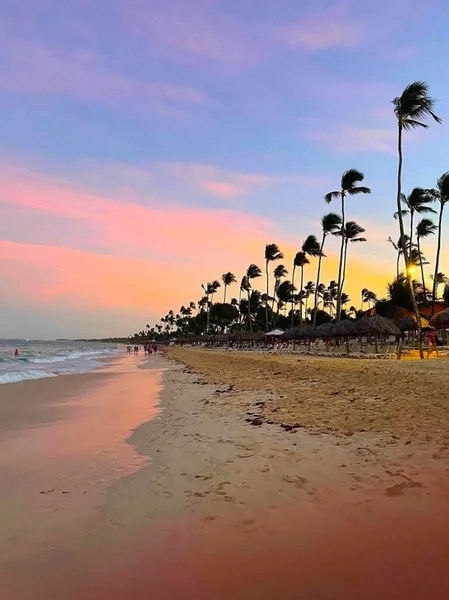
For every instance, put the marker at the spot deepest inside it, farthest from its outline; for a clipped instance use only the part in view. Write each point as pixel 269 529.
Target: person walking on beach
pixel 432 338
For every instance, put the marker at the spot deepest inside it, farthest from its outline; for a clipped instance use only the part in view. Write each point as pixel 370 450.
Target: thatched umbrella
pixel 345 329
pixel 307 332
pixel 377 325
pixel 324 330
pixel 409 324
pixel 441 319
pixel 290 334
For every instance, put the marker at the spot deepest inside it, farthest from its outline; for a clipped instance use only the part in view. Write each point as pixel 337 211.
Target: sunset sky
pixel 147 146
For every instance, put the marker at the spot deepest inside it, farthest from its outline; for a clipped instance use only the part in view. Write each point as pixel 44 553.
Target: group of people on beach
pixel 148 349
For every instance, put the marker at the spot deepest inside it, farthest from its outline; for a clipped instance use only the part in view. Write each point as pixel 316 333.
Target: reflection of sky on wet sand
pixel 54 474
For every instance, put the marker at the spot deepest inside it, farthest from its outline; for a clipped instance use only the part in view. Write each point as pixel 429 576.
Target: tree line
pixel 294 302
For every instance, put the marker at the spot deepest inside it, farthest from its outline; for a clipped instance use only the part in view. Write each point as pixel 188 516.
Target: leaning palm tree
pixel 441 194
pixel 227 279
pixel 424 228
pixel 369 296
pixel 330 224
pixel 411 109
pixel 416 202
pixel 272 253
pixel 348 187
pixel 351 233
pixel 252 272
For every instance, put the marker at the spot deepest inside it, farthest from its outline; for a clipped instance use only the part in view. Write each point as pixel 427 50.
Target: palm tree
pixel 310 247
pixel 351 234
pixel 424 228
pixel 348 187
pixel 330 224
pixel 440 280
pixel 252 272
pixel 441 194
pixel 284 293
pixel 297 262
pixel 411 109
pixel 210 289
pixel 272 253
pixel 398 249
pixel 279 272
pixel 227 279
pixel 368 296
pixel 309 289
pixel 416 202
pixel 362 294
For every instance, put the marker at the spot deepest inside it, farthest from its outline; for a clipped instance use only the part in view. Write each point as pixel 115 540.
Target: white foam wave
pixel 15 377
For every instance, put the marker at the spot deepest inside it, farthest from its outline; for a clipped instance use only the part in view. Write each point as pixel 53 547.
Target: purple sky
pixel 146 147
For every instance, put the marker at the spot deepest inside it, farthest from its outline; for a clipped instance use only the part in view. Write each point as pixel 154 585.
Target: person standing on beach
pixel 432 338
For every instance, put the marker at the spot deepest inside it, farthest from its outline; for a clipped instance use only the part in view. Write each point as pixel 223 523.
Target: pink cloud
pixel 35 69
pixel 222 189
pixel 324 30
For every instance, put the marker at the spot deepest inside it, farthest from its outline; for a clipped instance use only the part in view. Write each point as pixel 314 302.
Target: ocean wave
pixel 16 376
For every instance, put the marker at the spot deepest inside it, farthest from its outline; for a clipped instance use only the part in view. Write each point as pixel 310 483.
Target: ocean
pixel 39 359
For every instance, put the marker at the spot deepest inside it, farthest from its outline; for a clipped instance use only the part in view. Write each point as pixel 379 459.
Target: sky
pixel 148 146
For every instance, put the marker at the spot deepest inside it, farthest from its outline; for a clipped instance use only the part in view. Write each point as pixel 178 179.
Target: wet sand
pixel 221 508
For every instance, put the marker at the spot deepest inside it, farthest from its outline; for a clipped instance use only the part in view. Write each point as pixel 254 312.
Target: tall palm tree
pixel 348 187
pixel 330 224
pixel 411 109
pixel 416 202
pixel 279 272
pixel 441 194
pixel 297 262
pixel 309 289
pixel 227 279
pixel 272 253
pixel 252 272
pixel 351 233
pixel 424 228
pixel 210 289
pixel 398 249
pixel 362 294
pixel 310 247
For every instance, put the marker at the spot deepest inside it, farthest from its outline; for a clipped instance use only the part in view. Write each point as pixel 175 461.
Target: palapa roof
pixel 246 336
pixel 290 334
pixel 377 324
pixel 346 327
pixel 441 319
pixel 275 332
pixel 324 330
pixel 409 324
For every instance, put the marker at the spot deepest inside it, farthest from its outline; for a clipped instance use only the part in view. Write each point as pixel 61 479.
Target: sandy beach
pixel 244 477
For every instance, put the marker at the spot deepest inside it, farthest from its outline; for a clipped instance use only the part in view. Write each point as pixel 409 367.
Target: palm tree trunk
pixel 404 248
pixel 422 267
pixel 341 254
pixel 224 294
pixel 268 293
pixel 293 302
pixel 208 313
pixel 343 277
pixel 318 274
pixel 411 231
pixel 306 307
pixel 300 295
pixel 249 313
pixel 397 264
pixel 437 259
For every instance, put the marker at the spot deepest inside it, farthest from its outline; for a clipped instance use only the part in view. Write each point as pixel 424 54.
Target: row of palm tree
pixel 412 110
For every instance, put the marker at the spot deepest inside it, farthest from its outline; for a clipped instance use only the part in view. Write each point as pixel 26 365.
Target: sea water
pixel 39 359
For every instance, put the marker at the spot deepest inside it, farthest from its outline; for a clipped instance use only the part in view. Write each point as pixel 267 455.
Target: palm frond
pixel 351 177
pixel 331 196
pixel 358 190
pixel 330 222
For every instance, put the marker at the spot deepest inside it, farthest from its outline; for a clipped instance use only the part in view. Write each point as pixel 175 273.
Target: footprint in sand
pixel 264 469
pixel 246 455
pixel 203 477
pixel 298 481
pixel 209 519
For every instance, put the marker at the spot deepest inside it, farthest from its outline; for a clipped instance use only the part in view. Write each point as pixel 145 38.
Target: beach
pixel 208 474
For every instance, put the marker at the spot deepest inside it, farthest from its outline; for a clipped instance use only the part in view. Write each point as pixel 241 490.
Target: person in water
pixel 16 352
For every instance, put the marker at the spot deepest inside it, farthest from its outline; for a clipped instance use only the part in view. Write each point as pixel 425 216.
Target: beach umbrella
pixel 441 319
pixel 377 325
pixel 307 332
pixel 324 330
pixel 344 328
pixel 290 334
